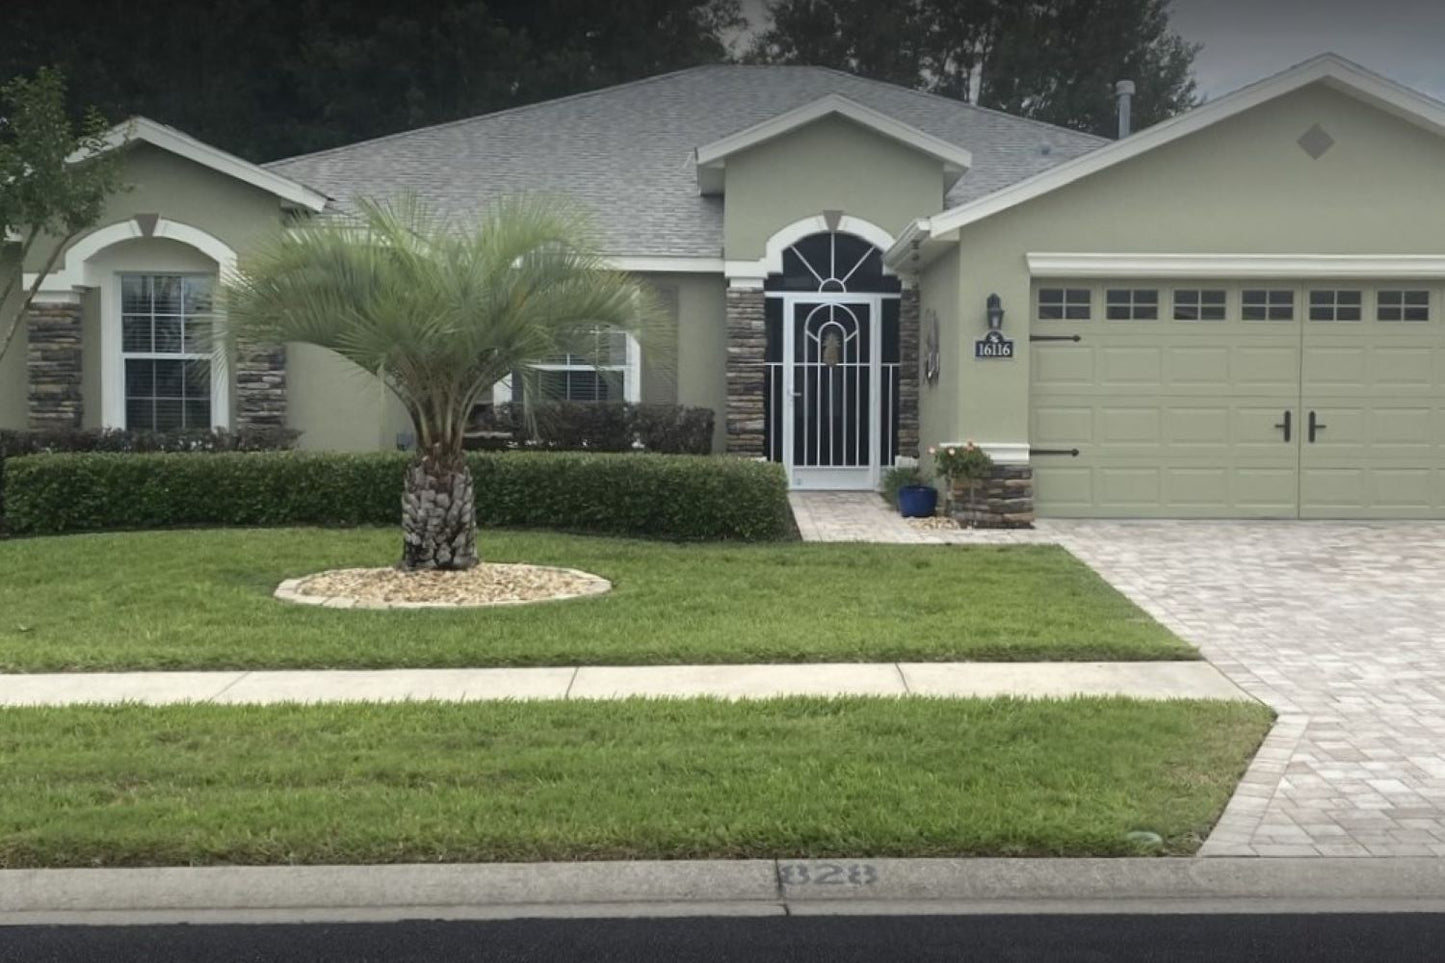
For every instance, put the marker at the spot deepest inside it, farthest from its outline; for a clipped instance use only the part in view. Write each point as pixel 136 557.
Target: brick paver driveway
pixel 1341 628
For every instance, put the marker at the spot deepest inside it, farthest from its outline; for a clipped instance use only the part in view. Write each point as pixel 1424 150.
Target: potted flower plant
pixel 907 487
pixel 967 464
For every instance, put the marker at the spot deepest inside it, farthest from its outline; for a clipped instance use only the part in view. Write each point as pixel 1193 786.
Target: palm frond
pixel 442 311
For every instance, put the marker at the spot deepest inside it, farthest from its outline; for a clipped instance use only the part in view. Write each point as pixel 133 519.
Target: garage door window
pixel 1398 305
pixel 1195 304
pixel 1132 304
pixel 1336 305
pixel 1261 304
pixel 1065 304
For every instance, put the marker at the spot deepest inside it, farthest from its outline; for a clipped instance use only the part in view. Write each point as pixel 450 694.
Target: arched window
pixel 833 262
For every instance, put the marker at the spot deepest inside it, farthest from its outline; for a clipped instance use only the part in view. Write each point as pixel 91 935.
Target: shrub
pixel 659 496
pixel 15 443
pixel 901 476
pixel 597 426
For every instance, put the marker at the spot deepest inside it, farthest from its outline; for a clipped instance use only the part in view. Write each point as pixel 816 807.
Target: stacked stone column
pixel 260 385
pixel 908 367
pixel 746 371
pixel 1005 499
pixel 53 360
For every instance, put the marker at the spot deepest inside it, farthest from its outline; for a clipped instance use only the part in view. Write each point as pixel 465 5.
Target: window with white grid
pixel 1266 304
pixel 1065 304
pixel 166 322
pixel 1336 304
pixel 1402 304
pixel 1132 304
pixel 1199 304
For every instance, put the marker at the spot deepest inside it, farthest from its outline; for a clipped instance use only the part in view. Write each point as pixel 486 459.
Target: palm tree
pixel 440 312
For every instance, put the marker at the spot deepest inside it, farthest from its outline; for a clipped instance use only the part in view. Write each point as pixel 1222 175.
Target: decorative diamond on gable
pixel 1316 141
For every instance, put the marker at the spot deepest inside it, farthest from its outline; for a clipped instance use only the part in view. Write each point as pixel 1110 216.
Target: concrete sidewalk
pixel 760 887
pixel 1145 680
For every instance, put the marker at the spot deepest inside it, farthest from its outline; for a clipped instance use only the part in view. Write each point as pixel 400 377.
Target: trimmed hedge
pixel 597 426
pixel 17 442
pixel 658 496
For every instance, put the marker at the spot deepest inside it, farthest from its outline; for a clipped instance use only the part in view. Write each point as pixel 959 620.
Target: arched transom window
pixel 833 262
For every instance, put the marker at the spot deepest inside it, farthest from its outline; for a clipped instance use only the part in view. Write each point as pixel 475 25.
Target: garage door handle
pixel 1315 426
pixel 1285 424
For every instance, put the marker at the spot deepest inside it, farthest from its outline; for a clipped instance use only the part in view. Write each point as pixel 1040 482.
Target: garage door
pixel 1257 400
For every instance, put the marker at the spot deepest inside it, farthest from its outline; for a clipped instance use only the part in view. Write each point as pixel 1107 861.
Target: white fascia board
pixel 1335 71
pixel 184 145
pixel 711 158
pixel 664 264
pixel 1219 266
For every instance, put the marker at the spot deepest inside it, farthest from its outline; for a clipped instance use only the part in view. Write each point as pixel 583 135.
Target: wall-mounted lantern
pixel 995 312
pixel 994 344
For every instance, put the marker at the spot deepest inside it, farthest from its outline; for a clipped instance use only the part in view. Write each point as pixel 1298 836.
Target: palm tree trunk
pixel 438 515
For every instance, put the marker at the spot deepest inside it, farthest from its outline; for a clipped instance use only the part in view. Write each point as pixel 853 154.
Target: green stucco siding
pixel 334 404
pixel 831 164
pixel 159 182
pixel 13 408
pixel 695 374
pixel 1242 186
pixel 938 403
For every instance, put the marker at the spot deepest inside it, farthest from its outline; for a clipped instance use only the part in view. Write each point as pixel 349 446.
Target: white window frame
pixel 1198 305
pixel 211 319
pixel 113 355
pixel 631 370
pixel 1269 305
pixel 1403 306
pixel 1065 303
pixel 1334 306
pixel 1132 305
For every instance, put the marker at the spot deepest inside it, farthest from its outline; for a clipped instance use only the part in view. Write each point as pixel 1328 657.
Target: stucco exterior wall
pixel 938 402
pixel 695 376
pixel 831 164
pixel 12 365
pixel 334 404
pixel 1242 186
pixel 159 182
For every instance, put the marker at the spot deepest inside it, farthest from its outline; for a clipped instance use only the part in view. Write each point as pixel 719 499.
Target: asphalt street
pixel 1167 939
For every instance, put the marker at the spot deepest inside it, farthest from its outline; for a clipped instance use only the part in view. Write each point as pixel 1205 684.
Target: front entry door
pixel 831 420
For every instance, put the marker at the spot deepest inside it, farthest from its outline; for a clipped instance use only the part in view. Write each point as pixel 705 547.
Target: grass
pixel 202 600
pixel 436 782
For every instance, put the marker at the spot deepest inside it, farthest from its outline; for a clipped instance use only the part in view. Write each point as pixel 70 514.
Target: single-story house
pixel 1239 312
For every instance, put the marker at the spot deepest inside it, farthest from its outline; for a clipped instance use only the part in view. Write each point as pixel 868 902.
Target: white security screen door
pixel 833 359
pixel 831 385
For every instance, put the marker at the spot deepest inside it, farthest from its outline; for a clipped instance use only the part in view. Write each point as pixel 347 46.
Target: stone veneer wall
pixel 260 385
pixel 1003 500
pixel 746 371
pixel 53 364
pixel 908 367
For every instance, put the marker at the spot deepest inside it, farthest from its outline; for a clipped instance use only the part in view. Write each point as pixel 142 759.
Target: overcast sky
pixel 1248 39
pixel 1245 40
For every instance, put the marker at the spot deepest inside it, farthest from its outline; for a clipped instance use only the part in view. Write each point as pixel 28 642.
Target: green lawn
pixel 436 782
pixel 202 600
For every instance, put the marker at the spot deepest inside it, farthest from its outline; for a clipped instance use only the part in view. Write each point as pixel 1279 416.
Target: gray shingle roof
pixel 626 151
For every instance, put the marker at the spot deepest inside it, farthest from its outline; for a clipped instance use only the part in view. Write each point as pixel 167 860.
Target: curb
pixel 717 888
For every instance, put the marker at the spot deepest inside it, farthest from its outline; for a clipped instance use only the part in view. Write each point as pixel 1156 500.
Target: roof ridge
pixel 640 81
pixel 955 102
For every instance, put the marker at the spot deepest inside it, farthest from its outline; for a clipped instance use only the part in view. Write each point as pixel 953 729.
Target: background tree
pixel 1052 60
pixel 272 78
pixel 440 313
pixel 45 200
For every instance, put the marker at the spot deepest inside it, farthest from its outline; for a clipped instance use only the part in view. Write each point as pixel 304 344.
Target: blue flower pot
pixel 917 501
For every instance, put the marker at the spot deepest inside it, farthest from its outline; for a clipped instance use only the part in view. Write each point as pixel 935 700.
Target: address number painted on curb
pixel 828 874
